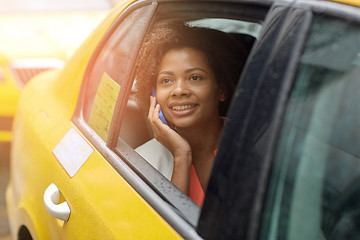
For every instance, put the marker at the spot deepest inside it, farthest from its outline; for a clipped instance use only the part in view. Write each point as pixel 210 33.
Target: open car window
pixel 135 130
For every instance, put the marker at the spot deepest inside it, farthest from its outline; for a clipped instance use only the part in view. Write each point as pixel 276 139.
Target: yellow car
pixel 36 36
pixel 288 162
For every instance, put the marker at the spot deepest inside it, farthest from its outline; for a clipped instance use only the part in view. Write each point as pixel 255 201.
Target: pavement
pixel 4 178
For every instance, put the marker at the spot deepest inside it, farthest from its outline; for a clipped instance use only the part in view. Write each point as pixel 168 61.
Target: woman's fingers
pixel 153 117
pixel 156 116
pixel 154 110
pixel 151 108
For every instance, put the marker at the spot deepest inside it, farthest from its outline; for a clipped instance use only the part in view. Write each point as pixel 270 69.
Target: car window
pixel 229 25
pixel 109 74
pixel 314 188
pixel 135 130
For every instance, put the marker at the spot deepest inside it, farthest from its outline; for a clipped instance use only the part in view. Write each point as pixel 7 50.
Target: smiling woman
pixel 194 71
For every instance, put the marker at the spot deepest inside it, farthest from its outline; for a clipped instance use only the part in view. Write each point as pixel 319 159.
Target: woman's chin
pixel 182 124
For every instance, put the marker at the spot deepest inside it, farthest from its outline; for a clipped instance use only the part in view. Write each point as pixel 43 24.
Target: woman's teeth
pixel 182 108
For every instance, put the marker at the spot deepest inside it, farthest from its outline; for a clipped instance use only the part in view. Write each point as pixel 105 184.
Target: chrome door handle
pixel 51 200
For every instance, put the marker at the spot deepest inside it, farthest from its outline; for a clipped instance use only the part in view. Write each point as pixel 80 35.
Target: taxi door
pixel 91 200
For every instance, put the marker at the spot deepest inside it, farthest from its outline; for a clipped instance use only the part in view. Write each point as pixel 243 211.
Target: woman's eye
pixel 195 78
pixel 165 80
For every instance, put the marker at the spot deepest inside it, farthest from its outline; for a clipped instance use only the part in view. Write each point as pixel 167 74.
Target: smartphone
pixel 161 115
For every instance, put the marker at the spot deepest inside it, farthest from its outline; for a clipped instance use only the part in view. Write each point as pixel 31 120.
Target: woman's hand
pixel 163 133
pixel 178 146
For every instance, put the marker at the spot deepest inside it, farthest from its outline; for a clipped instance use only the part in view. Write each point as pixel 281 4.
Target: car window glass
pixel 229 25
pixel 314 189
pixel 110 71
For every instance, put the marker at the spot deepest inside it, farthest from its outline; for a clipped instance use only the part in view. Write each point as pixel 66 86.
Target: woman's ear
pixel 222 94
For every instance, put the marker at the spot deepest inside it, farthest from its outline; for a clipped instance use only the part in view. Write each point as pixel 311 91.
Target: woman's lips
pixel 183 107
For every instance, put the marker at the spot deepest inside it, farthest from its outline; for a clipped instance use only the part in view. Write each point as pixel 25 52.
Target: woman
pixel 194 72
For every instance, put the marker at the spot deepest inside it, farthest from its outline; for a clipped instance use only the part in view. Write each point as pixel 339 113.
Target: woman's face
pixel 186 88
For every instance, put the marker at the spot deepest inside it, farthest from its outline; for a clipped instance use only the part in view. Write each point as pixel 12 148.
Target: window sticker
pixel 72 151
pixel 103 107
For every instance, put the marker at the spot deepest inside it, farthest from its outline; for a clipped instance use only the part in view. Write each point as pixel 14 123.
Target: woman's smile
pixel 183 108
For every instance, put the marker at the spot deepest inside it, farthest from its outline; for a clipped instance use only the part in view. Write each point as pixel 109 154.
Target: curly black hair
pixel 225 55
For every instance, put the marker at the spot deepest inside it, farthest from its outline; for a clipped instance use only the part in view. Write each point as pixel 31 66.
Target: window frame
pixel 184 221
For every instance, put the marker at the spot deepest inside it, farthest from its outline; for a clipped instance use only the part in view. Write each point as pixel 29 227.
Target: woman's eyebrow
pixel 166 73
pixel 195 69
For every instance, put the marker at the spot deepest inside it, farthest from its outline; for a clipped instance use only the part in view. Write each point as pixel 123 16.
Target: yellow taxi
pixel 36 36
pixel 288 161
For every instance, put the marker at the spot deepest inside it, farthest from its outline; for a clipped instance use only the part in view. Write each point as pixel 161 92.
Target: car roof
pixel 355 3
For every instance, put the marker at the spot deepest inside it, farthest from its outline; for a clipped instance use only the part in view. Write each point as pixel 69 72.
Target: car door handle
pixel 51 200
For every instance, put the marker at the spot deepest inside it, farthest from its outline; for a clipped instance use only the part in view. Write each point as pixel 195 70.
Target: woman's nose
pixel 180 88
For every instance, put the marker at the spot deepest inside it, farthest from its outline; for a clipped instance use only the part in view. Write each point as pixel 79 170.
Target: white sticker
pixel 72 151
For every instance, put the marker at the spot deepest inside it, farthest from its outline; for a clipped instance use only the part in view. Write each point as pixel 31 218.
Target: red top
pixel 196 192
